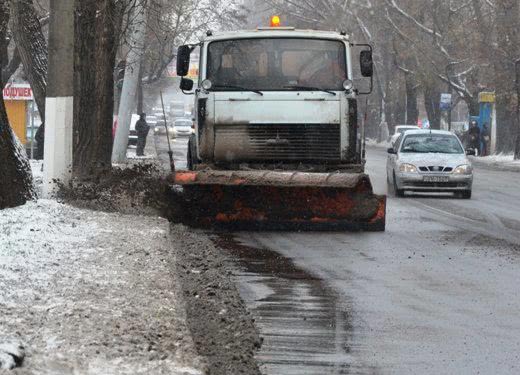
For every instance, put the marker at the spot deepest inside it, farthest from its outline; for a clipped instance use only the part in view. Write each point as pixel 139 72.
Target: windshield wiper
pixel 309 88
pixel 238 88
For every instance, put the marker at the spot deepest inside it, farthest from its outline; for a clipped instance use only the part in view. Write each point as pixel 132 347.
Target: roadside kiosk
pixel 19 103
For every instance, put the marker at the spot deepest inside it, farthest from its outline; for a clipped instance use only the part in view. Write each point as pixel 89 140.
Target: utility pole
pixel 60 92
pixel 130 83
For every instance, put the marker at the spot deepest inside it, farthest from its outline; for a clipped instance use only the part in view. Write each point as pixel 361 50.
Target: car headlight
pixel 463 169
pixel 408 168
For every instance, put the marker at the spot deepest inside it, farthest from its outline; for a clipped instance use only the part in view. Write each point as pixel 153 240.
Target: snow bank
pixel 499 161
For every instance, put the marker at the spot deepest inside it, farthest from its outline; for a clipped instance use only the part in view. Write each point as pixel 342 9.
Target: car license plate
pixel 436 179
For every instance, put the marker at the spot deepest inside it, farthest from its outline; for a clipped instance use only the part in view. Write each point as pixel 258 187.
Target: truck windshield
pixel 280 64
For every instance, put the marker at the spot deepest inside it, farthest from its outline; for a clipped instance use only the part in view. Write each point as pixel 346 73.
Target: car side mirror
pixel 366 63
pixel 470 152
pixel 183 60
pixel 186 84
pixel 391 151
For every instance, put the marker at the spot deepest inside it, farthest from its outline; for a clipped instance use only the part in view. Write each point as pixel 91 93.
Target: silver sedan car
pixel 429 161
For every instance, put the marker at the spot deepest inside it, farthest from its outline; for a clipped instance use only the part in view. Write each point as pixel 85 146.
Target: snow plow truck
pixel 277 143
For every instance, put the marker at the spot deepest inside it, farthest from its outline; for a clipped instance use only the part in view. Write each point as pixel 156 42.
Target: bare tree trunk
pixel 412 111
pixel 432 104
pixel 11 67
pixel 507 12
pixel 84 84
pixel 15 175
pixel 98 26
pixel 32 48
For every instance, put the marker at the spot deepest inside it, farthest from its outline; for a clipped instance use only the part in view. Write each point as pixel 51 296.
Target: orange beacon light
pixel 276 21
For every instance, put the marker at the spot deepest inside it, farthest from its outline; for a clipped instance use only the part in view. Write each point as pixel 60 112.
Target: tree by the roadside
pixel 98 31
pixel 31 46
pixel 16 186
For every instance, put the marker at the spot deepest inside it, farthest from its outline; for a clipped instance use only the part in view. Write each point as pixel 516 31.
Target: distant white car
pixel 400 129
pixel 429 161
pixel 159 126
pixel 182 127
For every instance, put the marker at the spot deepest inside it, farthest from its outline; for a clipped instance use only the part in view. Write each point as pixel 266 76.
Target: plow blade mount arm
pixel 282 200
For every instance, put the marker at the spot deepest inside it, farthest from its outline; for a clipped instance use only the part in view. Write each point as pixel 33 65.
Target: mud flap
pixel 282 200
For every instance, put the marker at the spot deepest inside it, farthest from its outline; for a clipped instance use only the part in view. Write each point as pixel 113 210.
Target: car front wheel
pixel 466 194
pixel 398 192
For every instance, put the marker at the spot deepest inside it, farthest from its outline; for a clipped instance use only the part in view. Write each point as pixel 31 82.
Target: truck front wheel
pixel 192 153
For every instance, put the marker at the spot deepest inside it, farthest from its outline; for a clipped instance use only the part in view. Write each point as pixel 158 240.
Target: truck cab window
pixel 277 64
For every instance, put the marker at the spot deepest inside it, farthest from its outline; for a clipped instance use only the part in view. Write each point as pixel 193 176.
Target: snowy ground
pixel 500 161
pixel 374 143
pixel 89 293
pixel 86 292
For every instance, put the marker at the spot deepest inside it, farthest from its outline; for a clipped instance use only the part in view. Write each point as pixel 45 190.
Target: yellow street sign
pixel 486 97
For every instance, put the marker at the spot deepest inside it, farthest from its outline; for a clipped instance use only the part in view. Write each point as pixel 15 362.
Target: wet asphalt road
pixel 437 293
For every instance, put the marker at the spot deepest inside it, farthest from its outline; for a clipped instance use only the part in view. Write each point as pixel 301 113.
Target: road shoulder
pixel 223 330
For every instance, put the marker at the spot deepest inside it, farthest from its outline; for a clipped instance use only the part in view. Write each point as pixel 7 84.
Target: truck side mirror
pixel 186 84
pixel 183 60
pixel 367 64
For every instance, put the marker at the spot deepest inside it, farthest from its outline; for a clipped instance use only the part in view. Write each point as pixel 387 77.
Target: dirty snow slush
pixel 222 329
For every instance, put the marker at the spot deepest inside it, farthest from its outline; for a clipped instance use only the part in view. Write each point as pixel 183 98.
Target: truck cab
pixel 275 98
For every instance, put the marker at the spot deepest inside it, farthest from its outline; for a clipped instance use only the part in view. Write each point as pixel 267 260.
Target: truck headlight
pixel 463 169
pixel 408 168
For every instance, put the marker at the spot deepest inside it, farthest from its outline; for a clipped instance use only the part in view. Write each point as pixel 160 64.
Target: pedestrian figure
pixel 485 140
pixel 474 136
pixel 142 128
pixel 40 141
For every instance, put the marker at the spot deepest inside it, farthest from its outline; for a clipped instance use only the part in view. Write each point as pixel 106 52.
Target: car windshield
pixel 437 143
pixel 280 64
pixel 183 123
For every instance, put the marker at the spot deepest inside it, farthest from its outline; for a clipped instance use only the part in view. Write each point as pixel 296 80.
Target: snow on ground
pixel 90 293
pixel 374 143
pixel 87 292
pixel 501 161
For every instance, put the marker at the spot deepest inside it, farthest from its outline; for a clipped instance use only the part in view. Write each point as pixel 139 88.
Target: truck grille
pixel 284 142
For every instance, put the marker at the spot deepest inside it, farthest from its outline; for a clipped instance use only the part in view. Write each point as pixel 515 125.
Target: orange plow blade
pixel 282 200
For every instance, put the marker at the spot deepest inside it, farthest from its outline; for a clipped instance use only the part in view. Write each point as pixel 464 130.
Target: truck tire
pixel 192 153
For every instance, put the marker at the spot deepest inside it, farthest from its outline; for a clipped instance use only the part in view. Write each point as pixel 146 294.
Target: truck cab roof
pixel 279 32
